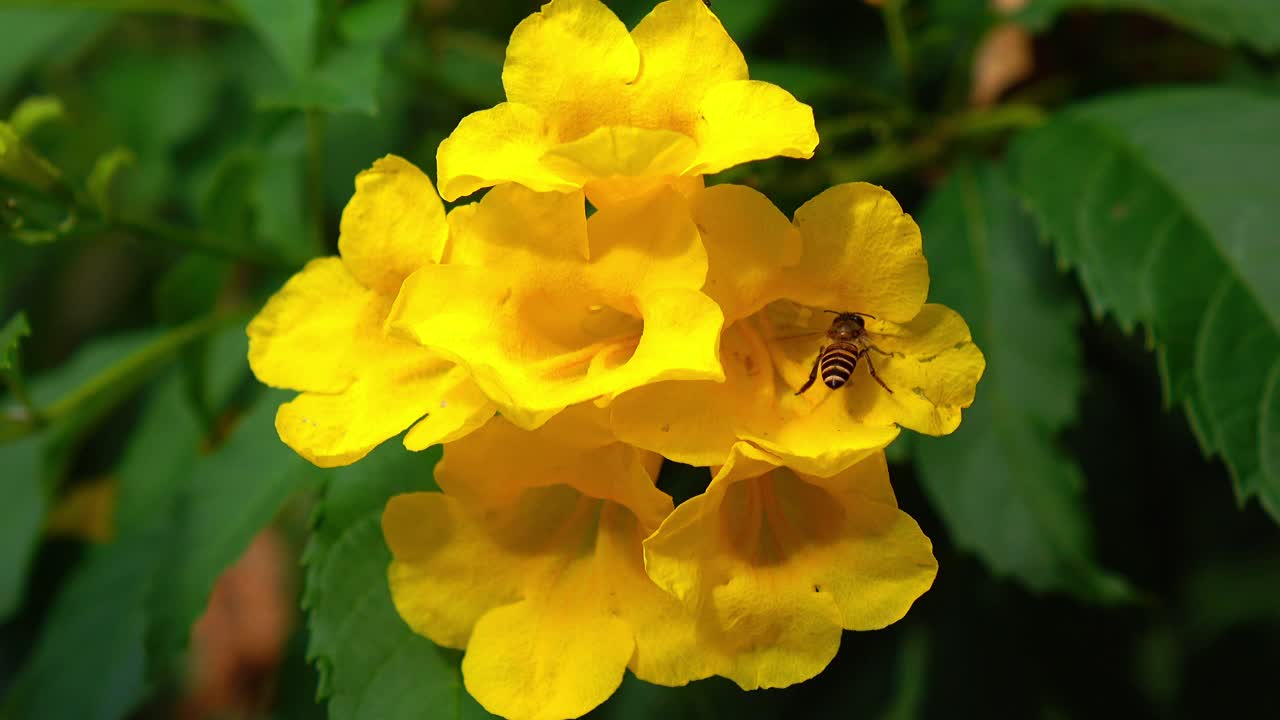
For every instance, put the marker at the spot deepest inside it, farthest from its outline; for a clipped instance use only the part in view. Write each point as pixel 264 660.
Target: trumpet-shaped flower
pixel 548 308
pixel 774 564
pixel 591 105
pixel 322 333
pixel 850 248
pixel 531 559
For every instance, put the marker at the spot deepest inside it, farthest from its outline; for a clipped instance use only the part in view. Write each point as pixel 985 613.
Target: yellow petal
pixel 546 660
pixel 302 337
pixel 401 385
pixel 774 564
pixel 699 422
pixel 571 61
pixel 447 573
pixel 322 334
pixel 616 163
pixel 603 192
pixel 532 559
pixel 393 225
pixel 545 317
pixel 685 52
pixel 752 120
pixel 458 406
pixel 502 144
pixel 498 462
pixel 748 242
pixel 619 150
pixel 861 253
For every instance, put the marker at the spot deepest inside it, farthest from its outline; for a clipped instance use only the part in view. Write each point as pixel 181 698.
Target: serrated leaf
pixel 371 664
pixel 1001 484
pixel 287 27
pixel 1250 22
pixel 1165 202
pixel 10 337
pixel 223 503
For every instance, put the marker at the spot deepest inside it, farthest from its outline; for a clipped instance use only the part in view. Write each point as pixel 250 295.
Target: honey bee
pixel 849 343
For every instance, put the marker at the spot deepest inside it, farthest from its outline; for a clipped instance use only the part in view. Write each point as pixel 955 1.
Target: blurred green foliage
pixel 165 164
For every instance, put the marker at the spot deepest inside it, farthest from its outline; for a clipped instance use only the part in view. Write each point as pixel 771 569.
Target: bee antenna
pixel 873 317
pixel 833 312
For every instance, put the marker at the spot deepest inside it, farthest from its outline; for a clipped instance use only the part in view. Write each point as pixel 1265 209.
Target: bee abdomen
pixel 837 365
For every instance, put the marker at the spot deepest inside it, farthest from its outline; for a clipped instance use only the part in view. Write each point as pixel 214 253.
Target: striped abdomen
pixel 837 363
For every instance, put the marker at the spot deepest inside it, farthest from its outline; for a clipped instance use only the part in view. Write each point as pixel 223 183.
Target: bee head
pixel 847 325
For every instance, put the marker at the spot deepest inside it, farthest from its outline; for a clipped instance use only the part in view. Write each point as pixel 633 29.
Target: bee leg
pixel 813 374
pixel 872 368
pixel 873 347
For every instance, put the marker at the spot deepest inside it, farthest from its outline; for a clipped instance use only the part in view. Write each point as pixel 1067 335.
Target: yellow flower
pixel 775 563
pixel 851 248
pixel 548 308
pixel 322 333
pixel 593 106
pixel 531 559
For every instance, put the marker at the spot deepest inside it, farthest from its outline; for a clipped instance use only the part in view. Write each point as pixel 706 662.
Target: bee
pixel 849 343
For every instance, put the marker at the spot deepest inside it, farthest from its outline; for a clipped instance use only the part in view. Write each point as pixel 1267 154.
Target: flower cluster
pixel 600 311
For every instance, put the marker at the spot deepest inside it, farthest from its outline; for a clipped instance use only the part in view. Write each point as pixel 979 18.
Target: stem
pixel 315 178
pixel 162 233
pixel 894 159
pixel 899 45
pixel 151 354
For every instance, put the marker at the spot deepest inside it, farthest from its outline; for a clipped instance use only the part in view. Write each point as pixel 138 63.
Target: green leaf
pixel 88 662
pixel 152 475
pixel 1166 204
pixel 743 18
pixel 10 337
pixel 345 83
pixel 28 35
pixel 371 664
pixel 1001 484
pixel 205 9
pixel 470 66
pixel 181 517
pixel 133 91
pixel 21 516
pixel 372 22
pixel 224 503
pixel 34 465
pixel 1249 22
pixel 191 288
pixel 287 27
